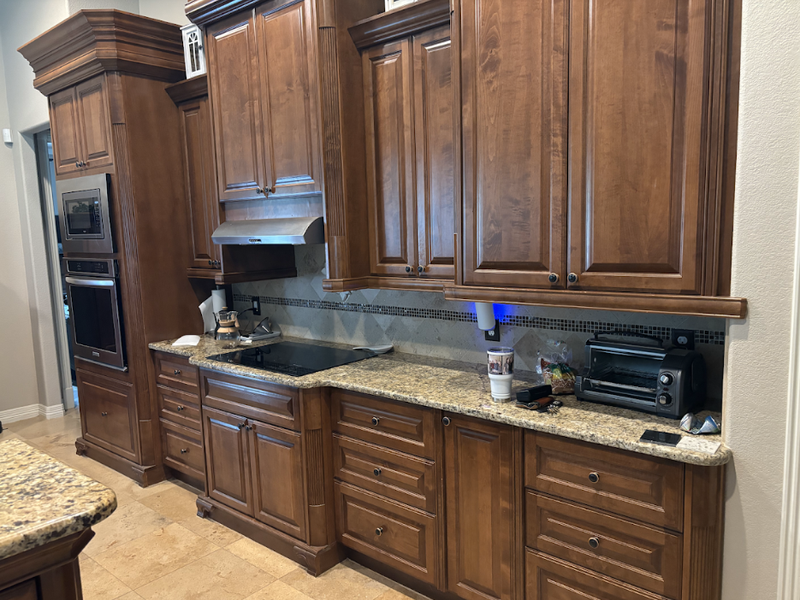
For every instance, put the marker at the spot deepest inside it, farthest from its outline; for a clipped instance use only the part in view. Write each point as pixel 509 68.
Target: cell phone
pixel 660 437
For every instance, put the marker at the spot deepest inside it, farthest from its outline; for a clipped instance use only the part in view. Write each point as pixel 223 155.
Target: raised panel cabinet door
pixel 235 97
pixel 65 128
pixel 513 71
pixel 390 162
pixel 95 120
pixel 435 162
pixel 277 464
pixel 108 414
pixel 227 460
pixel 289 96
pixel 479 503
pixel 637 85
pixel 200 182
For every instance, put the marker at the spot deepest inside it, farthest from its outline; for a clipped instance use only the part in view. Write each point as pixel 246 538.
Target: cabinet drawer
pixel 179 407
pixel 183 449
pixel 632 485
pixel 553 579
pixel 108 414
pixel 637 554
pixel 273 404
pixel 398 476
pixel 389 532
pixel 176 372
pixel 404 427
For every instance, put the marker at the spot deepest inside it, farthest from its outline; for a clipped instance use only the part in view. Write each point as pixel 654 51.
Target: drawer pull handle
pixel 379 531
pixel 594 542
pixel 103 414
pixel 594 477
pixel 446 421
pixel 180 408
pixel 377 471
pixel 184 451
pixel 176 372
pixel 375 421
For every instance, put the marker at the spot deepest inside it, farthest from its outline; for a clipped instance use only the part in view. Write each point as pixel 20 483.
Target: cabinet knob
pixel 184 450
pixel 572 278
pixel 248 428
pixel 377 471
pixel 408 269
pixel 241 425
pixel 269 190
pixel 375 421
pixel 103 414
pixel 259 190
pixel 78 164
pixel 176 372
pixel 594 542
pixel 84 164
pixel 594 477
pixel 420 269
pixel 180 408
pixel 210 263
pixel 446 421
pixel 553 278
pixel 379 531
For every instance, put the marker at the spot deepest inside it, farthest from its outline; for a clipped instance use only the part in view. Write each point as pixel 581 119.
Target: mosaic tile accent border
pixel 714 338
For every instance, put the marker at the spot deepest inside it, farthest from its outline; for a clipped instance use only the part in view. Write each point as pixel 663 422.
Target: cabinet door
pixel 287 63
pixel 277 464
pixel 108 414
pixel 227 460
pixel 480 508
pixel 513 80
pixel 234 85
pixel 390 166
pixel 433 119
pixel 637 83
pixel 200 182
pixel 65 128
pixel 95 120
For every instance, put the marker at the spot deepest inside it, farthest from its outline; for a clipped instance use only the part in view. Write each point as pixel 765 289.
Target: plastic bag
pixel 553 365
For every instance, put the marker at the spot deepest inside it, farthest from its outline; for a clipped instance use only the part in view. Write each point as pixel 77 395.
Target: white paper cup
pixel 501 372
pixel 501 387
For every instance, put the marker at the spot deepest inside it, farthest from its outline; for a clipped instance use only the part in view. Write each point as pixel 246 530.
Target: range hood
pixel 295 231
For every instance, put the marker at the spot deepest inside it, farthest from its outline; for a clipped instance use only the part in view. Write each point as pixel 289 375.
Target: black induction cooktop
pixel 293 358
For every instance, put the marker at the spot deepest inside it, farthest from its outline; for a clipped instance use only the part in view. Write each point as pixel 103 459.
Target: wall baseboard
pixel 32 410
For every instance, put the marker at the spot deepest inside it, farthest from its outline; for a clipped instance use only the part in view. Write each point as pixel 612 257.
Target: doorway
pixel 52 236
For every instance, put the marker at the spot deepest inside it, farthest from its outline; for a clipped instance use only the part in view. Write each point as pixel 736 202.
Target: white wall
pixel 171 11
pixel 757 363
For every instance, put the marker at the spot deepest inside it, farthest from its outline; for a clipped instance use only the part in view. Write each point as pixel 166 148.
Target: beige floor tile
pixel 39 426
pixel 173 502
pixel 340 582
pixel 218 576
pixel 265 559
pixel 211 530
pixel 279 591
pixel 99 584
pixel 128 523
pixel 130 596
pixel 145 559
pixel 401 593
pixel 395 592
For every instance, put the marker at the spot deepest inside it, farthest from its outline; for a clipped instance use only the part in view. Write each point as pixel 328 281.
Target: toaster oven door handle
pixel 91 282
pixel 623 386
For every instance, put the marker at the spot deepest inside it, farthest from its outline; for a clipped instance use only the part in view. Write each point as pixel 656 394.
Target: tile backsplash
pixel 427 324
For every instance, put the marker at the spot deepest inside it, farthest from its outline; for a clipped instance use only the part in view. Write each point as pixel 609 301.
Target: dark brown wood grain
pixel 108 414
pixel 175 372
pixel 65 131
pixel 183 449
pixel 400 23
pixel 228 470
pixel 95 124
pixel 179 407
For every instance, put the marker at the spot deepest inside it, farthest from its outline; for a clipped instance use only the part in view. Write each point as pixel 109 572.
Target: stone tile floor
pixel 154 547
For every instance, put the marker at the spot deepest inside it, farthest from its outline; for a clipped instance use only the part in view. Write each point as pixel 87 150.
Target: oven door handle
pixel 91 282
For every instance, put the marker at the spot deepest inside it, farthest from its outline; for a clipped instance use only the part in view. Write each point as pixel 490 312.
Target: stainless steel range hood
pixel 295 231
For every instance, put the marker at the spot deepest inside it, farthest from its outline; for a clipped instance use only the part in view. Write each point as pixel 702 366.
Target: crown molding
pixel 188 89
pixel 400 22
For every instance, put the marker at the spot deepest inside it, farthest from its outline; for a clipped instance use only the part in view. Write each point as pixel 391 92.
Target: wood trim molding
pixel 414 284
pixel 400 22
pixel 701 306
pixel 203 12
pixel 188 89
pixel 93 41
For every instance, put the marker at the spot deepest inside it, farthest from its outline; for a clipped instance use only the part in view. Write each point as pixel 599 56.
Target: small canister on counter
pixel 501 372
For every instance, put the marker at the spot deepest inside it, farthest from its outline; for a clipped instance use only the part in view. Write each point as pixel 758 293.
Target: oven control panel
pixel 102 268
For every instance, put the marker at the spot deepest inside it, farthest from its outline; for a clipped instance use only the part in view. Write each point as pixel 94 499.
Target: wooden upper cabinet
pixel 434 139
pixel 390 169
pixel 513 79
pixel 200 181
pixel 81 127
pixel 479 502
pixel 95 120
pixel 637 85
pixel 235 98
pixel 286 41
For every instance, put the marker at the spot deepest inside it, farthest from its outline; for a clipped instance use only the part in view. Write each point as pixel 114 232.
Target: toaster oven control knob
pixel 664 399
pixel 666 379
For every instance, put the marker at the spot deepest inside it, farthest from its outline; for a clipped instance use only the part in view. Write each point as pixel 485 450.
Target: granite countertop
pixel 464 388
pixel 42 500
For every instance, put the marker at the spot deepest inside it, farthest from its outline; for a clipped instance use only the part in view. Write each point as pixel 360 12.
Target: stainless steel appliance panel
pixel 85 216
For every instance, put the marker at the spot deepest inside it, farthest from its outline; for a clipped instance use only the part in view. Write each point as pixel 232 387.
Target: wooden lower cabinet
pixel 108 414
pixel 228 475
pixel 480 506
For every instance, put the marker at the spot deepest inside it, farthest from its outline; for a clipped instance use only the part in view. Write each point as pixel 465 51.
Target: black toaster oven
pixel 642 375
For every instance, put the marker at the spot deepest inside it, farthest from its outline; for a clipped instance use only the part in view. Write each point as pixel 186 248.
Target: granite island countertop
pixel 43 500
pixel 464 388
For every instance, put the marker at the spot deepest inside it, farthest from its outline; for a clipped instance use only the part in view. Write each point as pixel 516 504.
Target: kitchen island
pixel 47 510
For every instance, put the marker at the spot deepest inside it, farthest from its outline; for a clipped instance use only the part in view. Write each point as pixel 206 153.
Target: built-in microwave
pixel 84 215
